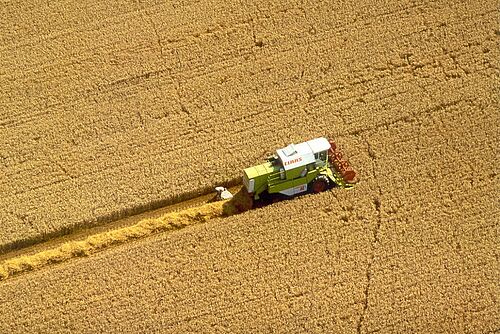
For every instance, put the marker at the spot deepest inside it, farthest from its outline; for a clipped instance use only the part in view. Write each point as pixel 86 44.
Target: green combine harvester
pixel 315 166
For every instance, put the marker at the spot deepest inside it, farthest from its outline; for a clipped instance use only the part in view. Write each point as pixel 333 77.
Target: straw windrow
pixel 97 242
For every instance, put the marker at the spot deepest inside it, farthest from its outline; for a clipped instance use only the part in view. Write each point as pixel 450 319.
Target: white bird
pixel 223 193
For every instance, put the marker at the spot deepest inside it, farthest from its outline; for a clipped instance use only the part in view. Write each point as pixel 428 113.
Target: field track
pixel 97 242
pixel 92 240
pixel 110 109
pixel 89 231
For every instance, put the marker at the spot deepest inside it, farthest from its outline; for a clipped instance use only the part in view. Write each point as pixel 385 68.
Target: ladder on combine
pixel 344 175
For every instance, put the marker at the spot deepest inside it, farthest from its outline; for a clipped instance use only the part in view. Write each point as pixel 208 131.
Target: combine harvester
pixel 315 166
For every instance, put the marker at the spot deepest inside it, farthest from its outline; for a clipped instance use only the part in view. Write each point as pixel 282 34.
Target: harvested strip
pixel 86 231
pixel 97 242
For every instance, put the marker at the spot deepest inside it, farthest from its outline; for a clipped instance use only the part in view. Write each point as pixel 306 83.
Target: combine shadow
pixel 242 202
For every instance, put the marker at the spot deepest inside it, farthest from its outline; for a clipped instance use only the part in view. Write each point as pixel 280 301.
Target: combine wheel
pixel 320 184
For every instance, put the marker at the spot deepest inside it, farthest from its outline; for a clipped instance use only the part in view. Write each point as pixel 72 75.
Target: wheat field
pixel 109 109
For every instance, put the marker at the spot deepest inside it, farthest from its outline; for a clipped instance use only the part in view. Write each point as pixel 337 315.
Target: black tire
pixel 265 198
pixel 320 184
